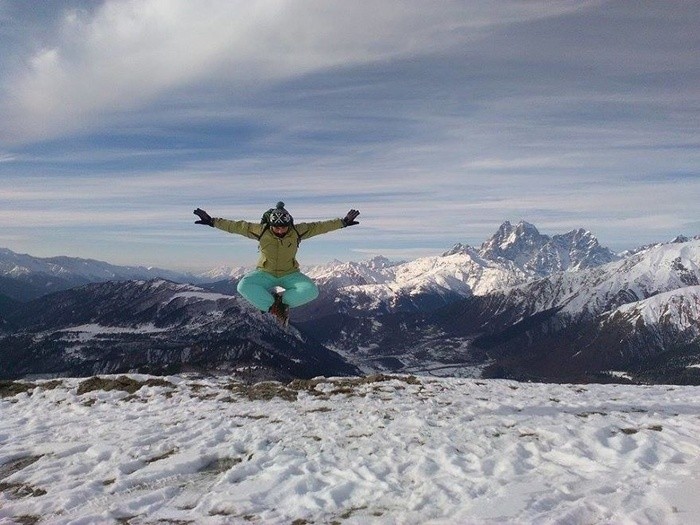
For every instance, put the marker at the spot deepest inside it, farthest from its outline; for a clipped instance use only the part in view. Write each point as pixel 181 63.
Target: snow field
pixel 388 450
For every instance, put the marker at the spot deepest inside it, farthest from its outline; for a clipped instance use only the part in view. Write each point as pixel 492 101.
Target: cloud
pixel 125 54
pixel 437 123
pixel 526 163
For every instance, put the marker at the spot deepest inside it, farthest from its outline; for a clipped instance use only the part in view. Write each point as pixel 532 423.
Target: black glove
pixel 204 217
pixel 349 219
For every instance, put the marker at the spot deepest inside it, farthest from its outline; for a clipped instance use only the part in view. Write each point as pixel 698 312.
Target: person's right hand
pixel 204 217
pixel 349 219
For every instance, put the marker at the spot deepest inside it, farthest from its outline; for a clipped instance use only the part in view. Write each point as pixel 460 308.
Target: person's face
pixel 280 231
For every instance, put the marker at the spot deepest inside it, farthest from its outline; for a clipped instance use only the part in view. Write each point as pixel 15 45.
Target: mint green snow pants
pixel 257 287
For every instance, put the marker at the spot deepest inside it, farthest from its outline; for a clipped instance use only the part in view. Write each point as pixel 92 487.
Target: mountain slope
pixel 654 340
pixel 154 326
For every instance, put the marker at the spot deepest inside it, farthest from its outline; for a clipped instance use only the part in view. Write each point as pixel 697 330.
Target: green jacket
pixel 278 255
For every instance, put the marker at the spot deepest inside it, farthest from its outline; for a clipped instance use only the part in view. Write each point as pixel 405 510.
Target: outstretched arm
pixel 245 228
pixel 311 229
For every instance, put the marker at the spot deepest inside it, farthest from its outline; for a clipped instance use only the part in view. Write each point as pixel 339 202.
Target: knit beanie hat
pixel 278 216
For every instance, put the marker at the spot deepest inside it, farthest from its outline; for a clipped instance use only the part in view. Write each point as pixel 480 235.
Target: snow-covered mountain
pixel 24 277
pixel 423 284
pixel 153 326
pixel 534 329
pixel 221 273
pixel 584 294
pixel 542 255
pixel 515 254
pixel 337 274
pixel 677 239
pixel 663 322
pixel 523 305
pixel 637 314
pixel 653 340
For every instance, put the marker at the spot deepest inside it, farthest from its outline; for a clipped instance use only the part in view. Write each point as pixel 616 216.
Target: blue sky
pixel 437 123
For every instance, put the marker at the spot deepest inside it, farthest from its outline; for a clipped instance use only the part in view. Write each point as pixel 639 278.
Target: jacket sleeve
pixel 245 228
pixel 311 229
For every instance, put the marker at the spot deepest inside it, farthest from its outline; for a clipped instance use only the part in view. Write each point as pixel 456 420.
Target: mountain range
pixel 522 305
pixel 24 277
pixel 514 255
pixel 156 326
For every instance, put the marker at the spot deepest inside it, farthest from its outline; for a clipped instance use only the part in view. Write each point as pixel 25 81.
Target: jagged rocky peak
pixel 541 254
pixel 458 248
pixel 577 236
pixel 378 262
pixel 585 251
pixel 509 235
pixel 683 238
pixel 517 243
pixel 578 241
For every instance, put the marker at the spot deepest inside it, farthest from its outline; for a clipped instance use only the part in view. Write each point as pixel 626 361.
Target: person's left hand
pixel 204 217
pixel 349 219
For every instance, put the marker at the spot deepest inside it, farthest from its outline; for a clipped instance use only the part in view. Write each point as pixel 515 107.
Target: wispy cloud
pixel 527 163
pixel 437 122
pixel 125 54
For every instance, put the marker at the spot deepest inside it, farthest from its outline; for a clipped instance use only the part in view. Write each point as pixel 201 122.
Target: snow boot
pixel 280 310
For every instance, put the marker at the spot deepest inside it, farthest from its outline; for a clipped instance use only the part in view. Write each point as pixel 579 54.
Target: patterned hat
pixel 278 216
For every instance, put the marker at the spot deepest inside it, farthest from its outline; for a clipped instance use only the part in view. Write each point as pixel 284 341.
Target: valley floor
pixel 380 449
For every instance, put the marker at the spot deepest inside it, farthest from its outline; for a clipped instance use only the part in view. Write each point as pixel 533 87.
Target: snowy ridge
pixel 24 277
pixel 89 270
pixel 530 331
pixel 514 255
pixel 677 239
pixel 169 296
pixel 639 315
pixel 337 274
pixel 591 292
pixel 662 322
pixel 678 307
pixel 224 272
pixel 462 274
pixel 213 451
pixel 660 269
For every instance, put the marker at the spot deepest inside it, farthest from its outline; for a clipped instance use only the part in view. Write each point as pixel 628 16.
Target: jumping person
pixel 278 241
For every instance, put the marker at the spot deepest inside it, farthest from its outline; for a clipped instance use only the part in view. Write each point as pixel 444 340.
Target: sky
pixel 437 123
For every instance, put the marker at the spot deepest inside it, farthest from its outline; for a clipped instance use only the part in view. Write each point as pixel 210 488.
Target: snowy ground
pixel 373 450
